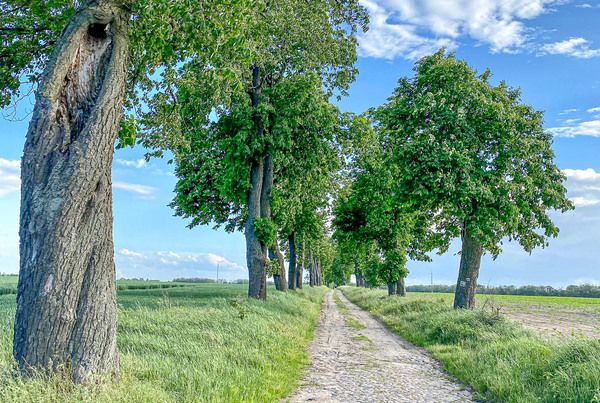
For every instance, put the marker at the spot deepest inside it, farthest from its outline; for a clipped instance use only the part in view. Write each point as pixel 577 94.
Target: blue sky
pixel 549 48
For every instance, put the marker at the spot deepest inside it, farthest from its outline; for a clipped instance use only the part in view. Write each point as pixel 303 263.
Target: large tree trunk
pixel 279 278
pixel 391 288
pixel 360 282
pixel 292 263
pixel 401 287
pixel 300 265
pixel 276 276
pixel 312 280
pixel 319 274
pixel 66 298
pixel 259 204
pixel 256 251
pixel 470 261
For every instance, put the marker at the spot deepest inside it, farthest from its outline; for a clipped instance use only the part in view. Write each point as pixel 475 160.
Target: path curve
pixel 370 364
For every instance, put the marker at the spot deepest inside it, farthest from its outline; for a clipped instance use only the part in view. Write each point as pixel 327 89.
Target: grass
pixel 350 321
pixel 500 359
pixel 188 344
pixel 8 284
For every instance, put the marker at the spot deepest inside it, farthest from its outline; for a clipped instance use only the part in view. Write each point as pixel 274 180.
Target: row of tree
pixel 450 155
pixel 237 91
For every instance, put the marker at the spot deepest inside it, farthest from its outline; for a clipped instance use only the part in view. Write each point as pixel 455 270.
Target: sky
pixel 548 48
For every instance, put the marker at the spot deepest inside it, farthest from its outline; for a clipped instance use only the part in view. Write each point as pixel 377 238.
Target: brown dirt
pixel 558 322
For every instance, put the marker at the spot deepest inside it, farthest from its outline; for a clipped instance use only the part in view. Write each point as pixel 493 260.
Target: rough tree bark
pixel 319 274
pixel 360 282
pixel 66 299
pixel 259 205
pixel 401 287
pixel 256 251
pixel 391 288
pixel 300 264
pixel 312 280
pixel 279 278
pixel 470 261
pixel 276 276
pixel 292 263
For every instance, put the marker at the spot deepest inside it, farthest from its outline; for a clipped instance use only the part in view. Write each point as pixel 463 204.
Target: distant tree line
pixel 194 280
pixel 209 280
pixel 584 290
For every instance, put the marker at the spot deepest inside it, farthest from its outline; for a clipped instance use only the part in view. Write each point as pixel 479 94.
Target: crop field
pixel 204 342
pixel 8 284
pixel 550 316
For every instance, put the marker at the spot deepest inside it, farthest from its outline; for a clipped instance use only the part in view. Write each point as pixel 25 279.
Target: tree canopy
pixel 474 157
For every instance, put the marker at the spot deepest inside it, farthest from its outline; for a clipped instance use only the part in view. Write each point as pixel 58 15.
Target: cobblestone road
pixel 365 362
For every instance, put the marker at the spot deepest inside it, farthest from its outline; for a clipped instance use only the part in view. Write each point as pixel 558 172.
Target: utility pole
pixel 431 280
pixel 218 273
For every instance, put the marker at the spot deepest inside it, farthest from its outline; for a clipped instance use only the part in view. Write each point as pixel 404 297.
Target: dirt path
pixel 356 359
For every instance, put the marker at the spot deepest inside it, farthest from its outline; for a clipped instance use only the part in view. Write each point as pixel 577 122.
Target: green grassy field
pixel 500 359
pixel 203 342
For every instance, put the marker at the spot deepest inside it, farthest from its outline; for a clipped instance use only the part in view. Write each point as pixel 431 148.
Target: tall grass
pixel 501 360
pixel 199 343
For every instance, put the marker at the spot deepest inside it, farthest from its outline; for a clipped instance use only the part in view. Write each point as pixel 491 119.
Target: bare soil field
pixel 550 316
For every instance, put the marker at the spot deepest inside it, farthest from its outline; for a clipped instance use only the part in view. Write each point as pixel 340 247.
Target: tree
pixel 476 158
pixel 340 270
pixel 375 231
pixel 66 304
pixel 79 61
pixel 299 132
pixel 321 47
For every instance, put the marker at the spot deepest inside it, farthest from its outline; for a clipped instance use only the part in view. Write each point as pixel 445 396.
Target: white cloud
pixel 10 176
pixel 583 202
pixel 141 163
pixel 179 258
pixel 141 190
pixel 388 40
pixel 129 253
pixel 585 128
pixel 576 47
pixel 412 28
pixel 583 186
pixel 583 175
pixel 220 260
pixel 594 109
pixel 567 111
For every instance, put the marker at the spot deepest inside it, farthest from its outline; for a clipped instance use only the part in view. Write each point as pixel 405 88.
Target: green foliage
pixel 240 306
pixel 498 358
pixel 373 231
pixel 472 155
pixel 338 272
pixel 300 134
pixel 164 35
pixel 255 34
pixel 128 132
pixel 266 231
pixel 29 31
pixel 187 344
